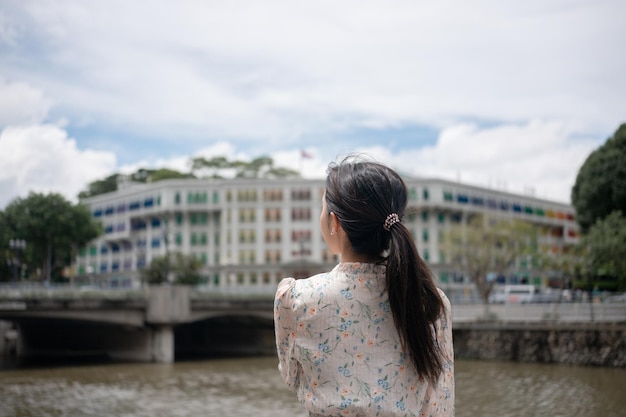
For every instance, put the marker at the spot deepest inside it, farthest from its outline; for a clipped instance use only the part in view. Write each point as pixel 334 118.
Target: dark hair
pixel 362 194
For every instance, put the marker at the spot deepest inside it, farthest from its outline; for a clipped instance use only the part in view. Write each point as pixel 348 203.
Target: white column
pixel 163 344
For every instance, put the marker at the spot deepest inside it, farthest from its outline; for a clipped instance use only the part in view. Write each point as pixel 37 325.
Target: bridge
pixel 161 323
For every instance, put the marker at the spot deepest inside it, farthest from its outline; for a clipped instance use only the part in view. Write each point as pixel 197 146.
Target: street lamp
pixel 16 246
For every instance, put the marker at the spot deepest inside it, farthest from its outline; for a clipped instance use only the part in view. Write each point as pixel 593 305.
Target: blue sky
pixel 512 95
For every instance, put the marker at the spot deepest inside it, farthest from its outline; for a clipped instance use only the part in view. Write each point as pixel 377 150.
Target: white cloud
pixel 270 73
pixel 276 69
pixel 534 158
pixel 20 103
pixel 42 158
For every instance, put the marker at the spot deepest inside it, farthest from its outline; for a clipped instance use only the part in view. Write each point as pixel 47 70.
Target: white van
pixel 512 294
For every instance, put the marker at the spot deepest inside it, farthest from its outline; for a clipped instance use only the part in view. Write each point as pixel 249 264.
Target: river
pixel 251 387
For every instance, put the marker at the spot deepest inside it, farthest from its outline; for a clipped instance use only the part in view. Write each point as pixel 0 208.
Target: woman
pixel 372 337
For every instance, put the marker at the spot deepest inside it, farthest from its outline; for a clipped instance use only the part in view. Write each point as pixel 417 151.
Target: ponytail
pixel 369 199
pixel 414 301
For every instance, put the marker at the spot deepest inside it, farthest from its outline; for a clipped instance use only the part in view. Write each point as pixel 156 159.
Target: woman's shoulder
pixel 298 287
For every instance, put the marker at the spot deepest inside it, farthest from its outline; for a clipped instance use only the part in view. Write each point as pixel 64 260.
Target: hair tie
pixel 390 221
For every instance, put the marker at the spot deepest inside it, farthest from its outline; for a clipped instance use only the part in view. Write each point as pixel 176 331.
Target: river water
pixel 252 387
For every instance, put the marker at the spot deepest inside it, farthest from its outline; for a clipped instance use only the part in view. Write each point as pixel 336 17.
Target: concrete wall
pixel 576 344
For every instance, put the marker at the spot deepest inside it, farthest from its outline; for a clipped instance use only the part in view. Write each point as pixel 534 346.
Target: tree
pixel 600 186
pixel 142 175
pixel 185 269
pixel 102 186
pixel 487 246
pixel 606 246
pixel 53 228
pixel 216 163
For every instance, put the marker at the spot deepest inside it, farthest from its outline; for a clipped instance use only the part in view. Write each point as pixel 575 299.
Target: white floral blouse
pixel 339 348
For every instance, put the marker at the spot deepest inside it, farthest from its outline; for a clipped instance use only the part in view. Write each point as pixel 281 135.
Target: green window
pixel 425 236
pixel 179 218
pixel 425 216
pixel 443 277
pixel 194 239
pixel 441 217
pixel 425 193
pixel 447 196
pixel 412 194
pixel 203 239
pixel 216 197
pixel 194 218
pixel 179 239
pixel 93 250
pixel 177 198
pixel 426 255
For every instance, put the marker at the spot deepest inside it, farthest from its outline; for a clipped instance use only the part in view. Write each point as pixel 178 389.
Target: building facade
pixel 250 233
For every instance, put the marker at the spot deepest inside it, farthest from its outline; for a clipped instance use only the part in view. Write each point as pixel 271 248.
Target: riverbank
pixel 585 344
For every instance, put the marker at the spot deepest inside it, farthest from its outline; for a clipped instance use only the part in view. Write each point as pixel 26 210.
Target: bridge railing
pixel 543 312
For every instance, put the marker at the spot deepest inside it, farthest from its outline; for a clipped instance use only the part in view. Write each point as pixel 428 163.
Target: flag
pixel 305 154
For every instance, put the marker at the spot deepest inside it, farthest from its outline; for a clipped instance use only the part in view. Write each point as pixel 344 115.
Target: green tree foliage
pixel 183 269
pixel 102 186
pixel 485 246
pixel 142 175
pixel 261 167
pixel 53 228
pixel 600 186
pixel 606 246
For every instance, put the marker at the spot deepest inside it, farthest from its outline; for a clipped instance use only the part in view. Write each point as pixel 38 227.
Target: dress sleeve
pixel 285 330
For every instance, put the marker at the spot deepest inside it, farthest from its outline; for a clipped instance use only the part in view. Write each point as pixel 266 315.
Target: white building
pixel 252 232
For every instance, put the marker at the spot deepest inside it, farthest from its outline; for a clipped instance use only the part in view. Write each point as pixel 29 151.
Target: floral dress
pixel 339 349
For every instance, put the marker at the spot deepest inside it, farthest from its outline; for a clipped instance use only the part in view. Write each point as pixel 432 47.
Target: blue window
pixel 134 205
pixel 104 267
pixel 137 224
pixel 148 202
pixel 517 208
pixel 156 242
pixel 104 250
pixel 97 213
pixel 504 206
pixel 108 228
pixel 121 208
pixel 478 201
pixel 156 222
pixel 108 211
pixel 460 198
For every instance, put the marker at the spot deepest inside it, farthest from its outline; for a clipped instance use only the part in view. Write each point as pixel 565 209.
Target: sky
pixel 503 94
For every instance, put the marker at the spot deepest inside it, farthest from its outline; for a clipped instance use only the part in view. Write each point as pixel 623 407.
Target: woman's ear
pixel 334 223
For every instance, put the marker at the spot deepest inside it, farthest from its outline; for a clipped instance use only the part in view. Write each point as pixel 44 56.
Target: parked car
pixel 512 294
